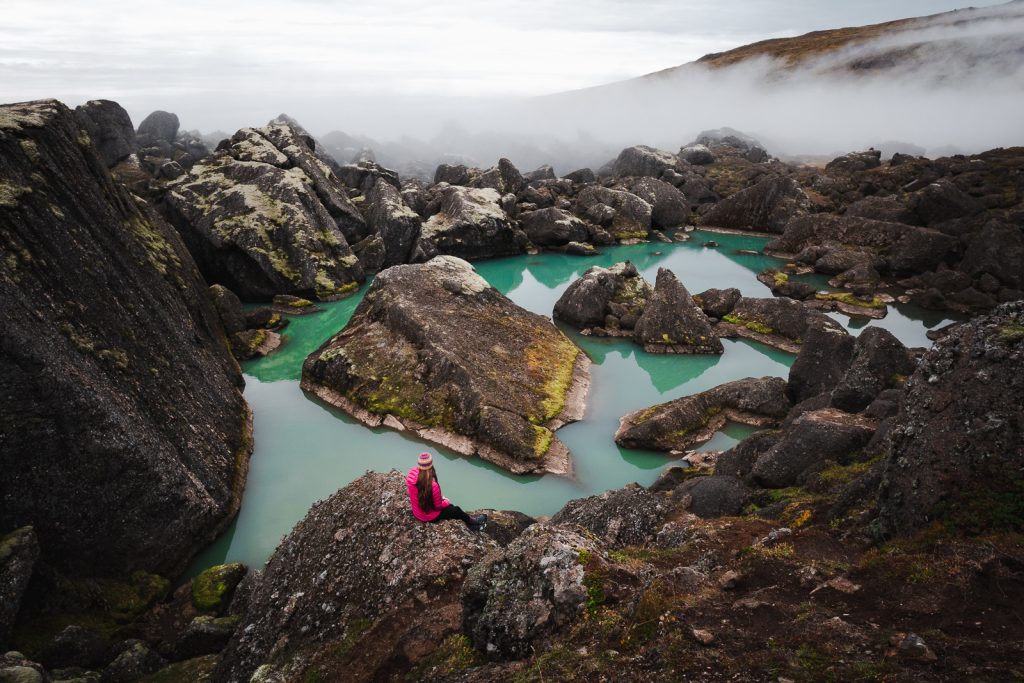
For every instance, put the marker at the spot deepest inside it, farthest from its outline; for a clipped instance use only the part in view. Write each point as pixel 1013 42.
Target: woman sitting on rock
pixel 425 496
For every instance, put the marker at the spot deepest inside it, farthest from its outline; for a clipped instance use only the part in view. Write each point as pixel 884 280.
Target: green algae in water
pixel 306 450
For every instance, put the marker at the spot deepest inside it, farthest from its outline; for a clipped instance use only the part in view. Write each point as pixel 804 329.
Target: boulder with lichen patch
pixel 669 206
pixel 109 127
pixel 766 206
pixel 553 227
pixel 472 225
pixel 779 322
pixel 622 517
pixel 438 349
pixel 398 225
pixel 672 323
pixel 642 160
pixel 879 362
pixel 265 216
pixel 678 424
pixel 822 362
pixel 608 301
pixel 356 582
pixel 631 217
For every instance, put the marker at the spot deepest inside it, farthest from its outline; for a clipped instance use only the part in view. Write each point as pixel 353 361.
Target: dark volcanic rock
pixel 113 368
pixel 855 161
pixel 472 225
pixel 678 424
pixel 356 580
pixel 109 127
pixel 767 206
pixel 698 155
pixel 996 250
pixel 957 441
pixel 672 323
pixel 518 596
pixel 134 661
pixel 621 517
pixel 782 323
pixel 581 176
pixel 452 174
pixel 451 358
pixel 77 646
pixel 364 175
pixel 19 551
pixel 781 285
pixel 265 216
pixel 632 217
pixel 620 292
pixel 942 201
pixel 713 496
pixel 644 161
pixel 718 302
pixel 553 227
pixel 229 308
pixel 504 178
pixel 397 224
pixel 879 362
pixel 824 358
pixel 158 126
pixel 669 208
pixel 544 172
pixel 811 439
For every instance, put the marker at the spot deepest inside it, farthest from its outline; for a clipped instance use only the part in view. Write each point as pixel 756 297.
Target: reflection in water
pixel 306 450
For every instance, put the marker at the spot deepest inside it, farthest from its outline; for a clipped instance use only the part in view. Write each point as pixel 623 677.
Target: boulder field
pixel 434 349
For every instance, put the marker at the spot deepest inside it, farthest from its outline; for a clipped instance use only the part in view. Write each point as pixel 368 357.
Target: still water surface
pixel 306 450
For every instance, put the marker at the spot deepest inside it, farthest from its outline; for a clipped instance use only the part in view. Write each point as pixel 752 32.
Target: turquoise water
pixel 306 450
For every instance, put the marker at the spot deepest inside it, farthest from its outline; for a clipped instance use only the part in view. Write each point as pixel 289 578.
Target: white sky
pixel 212 60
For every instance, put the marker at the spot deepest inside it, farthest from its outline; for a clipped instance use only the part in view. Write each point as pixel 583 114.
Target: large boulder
pixel 957 449
pixel 718 303
pixel 766 206
pixel 879 362
pixel 628 516
pixel 823 359
pixel 678 424
pixel 697 154
pixel 714 496
pixel 19 551
pixel 553 227
pixel 607 299
pixel 672 323
pixel 504 178
pixel 855 162
pixel 642 160
pixel 398 225
pixel 669 207
pixel 631 217
pixel 518 596
pixel 265 216
pixel 113 366
pixel 362 176
pixel 996 250
pixel 453 174
pixel 782 323
pixel 434 348
pixel 109 127
pixel 159 126
pixel 472 225
pixel 356 582
pixel 942 201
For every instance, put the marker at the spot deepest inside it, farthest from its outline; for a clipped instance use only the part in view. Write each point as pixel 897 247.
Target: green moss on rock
pixel 214 586
pixel 752 325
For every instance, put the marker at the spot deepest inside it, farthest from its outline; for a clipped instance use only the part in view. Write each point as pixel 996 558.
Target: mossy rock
pixel 196 670
pixel 212 589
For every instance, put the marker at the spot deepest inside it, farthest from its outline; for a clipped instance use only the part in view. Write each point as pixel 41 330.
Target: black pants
pixel 453 512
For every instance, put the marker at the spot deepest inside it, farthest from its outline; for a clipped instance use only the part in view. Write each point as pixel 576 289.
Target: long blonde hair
pixel 425 488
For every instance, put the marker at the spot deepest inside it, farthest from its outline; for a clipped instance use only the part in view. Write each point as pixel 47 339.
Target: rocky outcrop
pixel 504 178
pixel 672 323
pixel 628 516
pixel 472 225
pixel 669 206
pixel 398 225
pixel 123 432
pixel 109 127
pixel 689 420
pixel 855 161
pixel 158 126
pixel 605 301
pixel 822 362
pixel 19 551
pixel 718 302
pixel 879 362
pixel 642 160
pixel 622 213
pixel 434 349
pixel 782 323
pixel 553 227
pixel 697 154
pixel 957 441
pixel 357 583
pixel 265 216
pixel 767 206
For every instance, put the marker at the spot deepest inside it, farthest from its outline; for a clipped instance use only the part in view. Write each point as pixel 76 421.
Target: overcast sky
pixel 204 58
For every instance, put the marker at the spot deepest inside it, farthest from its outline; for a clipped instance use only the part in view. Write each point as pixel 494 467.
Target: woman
pixel 425 496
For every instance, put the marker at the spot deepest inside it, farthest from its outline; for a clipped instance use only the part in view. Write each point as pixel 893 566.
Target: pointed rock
pixel 672 322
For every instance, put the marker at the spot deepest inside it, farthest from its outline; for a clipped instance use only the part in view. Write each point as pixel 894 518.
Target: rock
pixel 632 217
pixel 809 440
pixel 113 367
pixel 77 646
pixel 730 138
pixel 212 588
pixel 717 303
pixel 109 127
pixel 472 225
pixel 158 126
pixel 19 551
pixel 739 460
pixel 672 323
pixel 729 580
pixel 997 250
pixel 621 517
pixel 228 307
pixel 889 209
pixel 516 597
pixel 618 291
pixel 195 670
pixel 781 285
pixel 669 207
pixel 913 647
pixel 364 175
pixel 434 345
pixel 504 526
pixel 782 323
pixel 840 584
pixel 504 178
pixel 879 362
pixel 698 155
pixel 204 636
pixel 713 496
pixel 702 636
pixel 766 206
pixel 266 216
pixel 862 278
pixel 20 674
pixel 823 360
pixel 453 175
pixel 678 424
pixel 134 661
pixel 581 176
pixel 956 443
pixel 855 162
pixel 553 227
pixel 642 160
pixel 351 586
pixel 543 172
pixel 942 201
pixel 398 225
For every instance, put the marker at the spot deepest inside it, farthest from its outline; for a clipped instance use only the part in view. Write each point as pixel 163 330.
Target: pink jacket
pixel 418 512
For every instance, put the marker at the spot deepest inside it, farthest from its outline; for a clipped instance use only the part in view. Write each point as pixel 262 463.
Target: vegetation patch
pixel 10 194
pixel 1010 333
pixel 752 325
pixel 850 299
pixel 554 361
pixel 455 654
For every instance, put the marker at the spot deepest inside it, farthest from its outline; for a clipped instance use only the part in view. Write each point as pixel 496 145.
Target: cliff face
pixel 124 437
